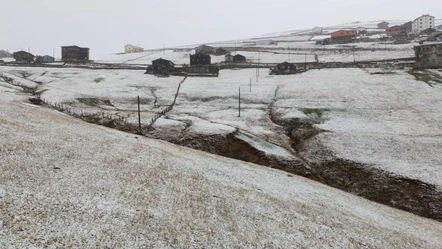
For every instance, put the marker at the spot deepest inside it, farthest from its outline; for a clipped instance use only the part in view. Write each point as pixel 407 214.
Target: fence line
pixel 169 108
pixel 90 118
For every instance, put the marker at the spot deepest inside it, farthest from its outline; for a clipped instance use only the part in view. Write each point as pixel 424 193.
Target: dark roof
pixel 424 16
pixel 161 59
pixel 73 46
pixel 286 63
pixel 205 46
pixel 23 52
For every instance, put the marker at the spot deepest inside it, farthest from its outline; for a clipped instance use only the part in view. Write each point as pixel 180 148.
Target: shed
pixel 48 59
pixel 228 58
pixel 284 68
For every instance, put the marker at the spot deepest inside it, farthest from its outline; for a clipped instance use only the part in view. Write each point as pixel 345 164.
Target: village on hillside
pixel 423 34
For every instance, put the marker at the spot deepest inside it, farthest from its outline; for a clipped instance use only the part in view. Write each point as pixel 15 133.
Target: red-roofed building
pixel 343 35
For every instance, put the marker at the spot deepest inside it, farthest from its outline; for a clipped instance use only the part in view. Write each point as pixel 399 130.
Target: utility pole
pixel 257 68
pixel 288 49
pixel 305 62
pixel 139 117
pixel 354 56
pixel 239 102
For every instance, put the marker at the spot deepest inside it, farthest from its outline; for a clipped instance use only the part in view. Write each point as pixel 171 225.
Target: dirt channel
pixel 410 195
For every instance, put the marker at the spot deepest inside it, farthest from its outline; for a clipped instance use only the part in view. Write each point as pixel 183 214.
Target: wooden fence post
pixel 139 115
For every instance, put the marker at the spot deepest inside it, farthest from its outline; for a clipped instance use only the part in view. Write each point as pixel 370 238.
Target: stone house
pixel 428 55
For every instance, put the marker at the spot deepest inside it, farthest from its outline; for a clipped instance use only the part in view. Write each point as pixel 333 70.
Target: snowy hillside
pixel 390 121
pixel 287 46
pixel 69 184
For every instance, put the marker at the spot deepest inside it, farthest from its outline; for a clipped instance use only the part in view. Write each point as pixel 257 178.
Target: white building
pixel 132 49
pixel 422 23
pixel 317 30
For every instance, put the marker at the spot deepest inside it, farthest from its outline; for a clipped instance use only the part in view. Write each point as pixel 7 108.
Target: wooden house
pixel 220 51
pixel 161 67
pixel 239 58
pixel 235 58
pixel 200 59
pixel 74 54
pixel 383 25
pixel 435 36
pixel 204 49
pixel 408 27
pixel 228 58
pixel 396 30
pixel 284 68
pixel 341 36
pixel 23 56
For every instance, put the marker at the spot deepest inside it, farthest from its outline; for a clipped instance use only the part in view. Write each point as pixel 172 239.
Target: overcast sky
pixel 106 26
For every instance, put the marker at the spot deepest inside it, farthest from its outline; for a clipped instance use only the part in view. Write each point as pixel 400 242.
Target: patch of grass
pixel 94 101
pixel 426 76
pixel 316 113
pixel 99 79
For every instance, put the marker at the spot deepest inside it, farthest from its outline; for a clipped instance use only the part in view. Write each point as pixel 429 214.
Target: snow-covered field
pixel 390 121
pixel 292 52
pixel 177 57
pixel 65 183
